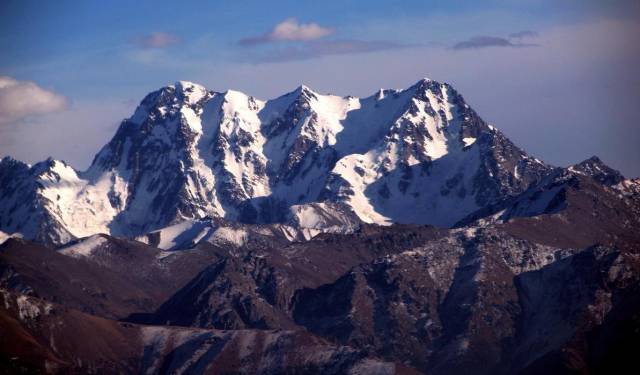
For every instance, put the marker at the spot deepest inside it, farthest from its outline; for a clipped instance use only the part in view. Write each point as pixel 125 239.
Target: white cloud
pixel 20 99
pixel 290 30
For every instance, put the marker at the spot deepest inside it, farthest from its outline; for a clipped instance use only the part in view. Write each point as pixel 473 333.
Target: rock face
pixel 419 155
pixel 40 342
pixel 438 301
pixel 217 233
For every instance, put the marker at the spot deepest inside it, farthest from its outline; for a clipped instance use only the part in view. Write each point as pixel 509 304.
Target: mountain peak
pixel 238 100
pixel 424 86
pixel 191 92
pixel 592 160
pixel 424 83
pixel 8 164
pixel 598 170
pixel 187 84
pixel 303 88
pixel 302 95
pixel 56 167
pixel 48 163
pixel 304 91
pixel 231 95
pixel 8 160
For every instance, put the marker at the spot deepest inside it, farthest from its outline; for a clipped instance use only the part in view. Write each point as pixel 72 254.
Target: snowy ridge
pixel 315 162
pixel 84 248
pixel 305 222
pixel 4 236
pixel 576 186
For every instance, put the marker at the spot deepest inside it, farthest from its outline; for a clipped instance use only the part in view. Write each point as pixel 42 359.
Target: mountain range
pixel 313 233
pixel 419 155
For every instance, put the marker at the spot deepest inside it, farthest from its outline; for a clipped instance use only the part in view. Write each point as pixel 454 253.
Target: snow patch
pixel 185 233
pixel 468 141
pixel 5 236
pixel 84 248
pixel 234 236
pixel 26 308
pixel 373 367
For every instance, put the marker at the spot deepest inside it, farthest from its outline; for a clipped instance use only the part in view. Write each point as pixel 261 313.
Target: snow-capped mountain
pixel 419 155
pixel 287 264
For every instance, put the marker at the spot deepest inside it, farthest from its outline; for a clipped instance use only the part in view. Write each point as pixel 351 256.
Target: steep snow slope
pixel 435 162
pixel 419 155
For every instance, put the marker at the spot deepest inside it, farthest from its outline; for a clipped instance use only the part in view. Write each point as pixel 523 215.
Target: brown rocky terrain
pixel 525 294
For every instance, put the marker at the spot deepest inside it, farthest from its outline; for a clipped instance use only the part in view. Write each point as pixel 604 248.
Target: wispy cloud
pixel 307 43
pixel 318 49
pixel 21 99
pixel 483 41
pixel 156 40
pixel 289 30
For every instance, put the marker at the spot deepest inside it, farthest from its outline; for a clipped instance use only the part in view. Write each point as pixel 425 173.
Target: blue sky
pixel 560 78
